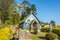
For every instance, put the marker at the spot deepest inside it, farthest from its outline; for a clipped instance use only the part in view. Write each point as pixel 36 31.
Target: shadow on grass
pixel 33 33
pixel 41 37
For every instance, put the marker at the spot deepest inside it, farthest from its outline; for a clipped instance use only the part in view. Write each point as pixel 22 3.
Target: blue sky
pixel 47 10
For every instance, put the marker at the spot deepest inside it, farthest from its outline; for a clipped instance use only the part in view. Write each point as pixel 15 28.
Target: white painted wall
pixel 31 17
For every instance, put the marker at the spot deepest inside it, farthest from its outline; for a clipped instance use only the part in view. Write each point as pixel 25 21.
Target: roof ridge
pixel 35 17
pixel 28 16
pixel 24 18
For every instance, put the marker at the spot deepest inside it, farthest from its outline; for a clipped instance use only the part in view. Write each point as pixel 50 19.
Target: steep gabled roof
pixel 27 17
pixel 36 18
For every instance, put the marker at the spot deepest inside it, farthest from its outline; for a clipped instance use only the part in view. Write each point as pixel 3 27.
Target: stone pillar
pixel 31 28
pixel 51 28
pixel 39 28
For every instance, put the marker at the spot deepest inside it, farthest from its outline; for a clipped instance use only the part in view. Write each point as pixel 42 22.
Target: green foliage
pixel 8 13
pixel 51 36
pixel 45 29
pixel 8 22
pixel 52 23
pixel 2 25
pixel 5 9
pixel 56 31
pixel 33 8
pixel 27 9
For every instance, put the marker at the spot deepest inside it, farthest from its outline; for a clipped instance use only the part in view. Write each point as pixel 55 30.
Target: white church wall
pixel 30 18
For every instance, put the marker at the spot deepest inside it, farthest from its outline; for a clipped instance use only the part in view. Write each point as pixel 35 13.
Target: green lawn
pixel 39 36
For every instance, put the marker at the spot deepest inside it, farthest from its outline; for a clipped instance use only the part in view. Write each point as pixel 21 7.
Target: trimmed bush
pixel 45 29
pixel 55 30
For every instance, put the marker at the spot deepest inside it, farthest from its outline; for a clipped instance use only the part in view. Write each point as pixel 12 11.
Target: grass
pixel 40 36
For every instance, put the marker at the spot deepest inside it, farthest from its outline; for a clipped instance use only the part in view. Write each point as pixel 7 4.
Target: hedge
pixel 45 29
pixel 55 30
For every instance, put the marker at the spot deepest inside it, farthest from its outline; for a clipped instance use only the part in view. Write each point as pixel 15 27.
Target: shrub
pixel 56 31
pixel 45 29
pixel 2 25
pixel 4 33
pixel 51 36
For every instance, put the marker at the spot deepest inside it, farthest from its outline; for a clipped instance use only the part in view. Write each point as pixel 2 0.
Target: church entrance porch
pixel 34 26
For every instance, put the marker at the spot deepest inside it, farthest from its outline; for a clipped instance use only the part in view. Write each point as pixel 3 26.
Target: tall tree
pixel 27 9
pixel 7 10
pixel 53 23
pixel 33 8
